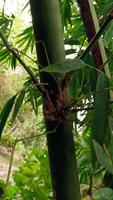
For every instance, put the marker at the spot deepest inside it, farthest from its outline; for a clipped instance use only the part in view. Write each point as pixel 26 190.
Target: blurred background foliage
pixel 32 178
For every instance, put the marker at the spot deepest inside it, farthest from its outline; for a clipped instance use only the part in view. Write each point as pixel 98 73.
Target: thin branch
pixel 35 136
pixel 36 62
pixel 81 109
pixel 85 108
pixel 93 93
pixel 13 150
pixel 107 61
pixel 79 51
pixel 10 164
pixel 39 86
pixel 98 35
pixel 12 50
pixel 41 41
pixel 71 108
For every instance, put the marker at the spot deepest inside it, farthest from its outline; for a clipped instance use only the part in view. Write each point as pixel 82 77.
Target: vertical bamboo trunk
pixel 50 48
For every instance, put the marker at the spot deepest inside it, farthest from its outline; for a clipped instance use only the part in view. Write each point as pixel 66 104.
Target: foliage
pixel 32 179
pixel 86 90
pixel 104 155
pixel 5 112
pixel 103 194
pixel 66 66
pixel 84 159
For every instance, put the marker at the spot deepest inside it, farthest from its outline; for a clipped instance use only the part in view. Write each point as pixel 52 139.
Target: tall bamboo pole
pixel 50 49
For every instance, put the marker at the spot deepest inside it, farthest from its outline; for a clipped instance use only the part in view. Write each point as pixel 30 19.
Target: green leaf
pixel 11 191
pixel 20 179
pixel 110 147
pixel 4 54
pixel 68 13
pixel 5 26
pixel 65 66
pixel 71 41
pixel 13 62
pixel 26 39
pixel 5 113
pixel 18 104
pixel 100 118
pixel 103 194
pixel 103 157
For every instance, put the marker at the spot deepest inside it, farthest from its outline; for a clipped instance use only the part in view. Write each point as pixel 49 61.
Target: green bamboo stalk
pixel 50 49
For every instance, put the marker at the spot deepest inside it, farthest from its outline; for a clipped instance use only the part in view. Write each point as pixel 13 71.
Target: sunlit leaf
pixel 12 191
pixel 26 39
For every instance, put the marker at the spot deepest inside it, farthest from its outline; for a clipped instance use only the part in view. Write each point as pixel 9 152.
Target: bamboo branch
pixel 71 108
pixel 13 150
pixel 36 62
pixel 75 109
pixel 107 61
pixel 81 109
pixel 35 136
pixel 98 35
pixel 13 51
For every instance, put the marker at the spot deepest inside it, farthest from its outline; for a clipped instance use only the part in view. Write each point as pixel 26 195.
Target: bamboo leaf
pixel 5 26
pixel 110 147
pixel 4 54
pixel 26 39
pixel 65 66
pixel 68 12
pixel 5 113
pixel 18 104
pixel 13 62
pixel 100 119
pixel 103 194
pixel 103 158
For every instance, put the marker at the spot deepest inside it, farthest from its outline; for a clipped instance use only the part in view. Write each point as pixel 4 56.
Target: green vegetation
pixel 56 96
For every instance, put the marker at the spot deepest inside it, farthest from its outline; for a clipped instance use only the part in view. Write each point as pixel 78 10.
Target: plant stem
pixel 97 36
pixel 63 166
pixel 13 51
